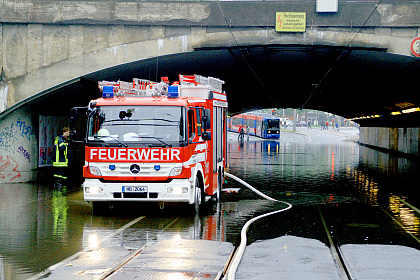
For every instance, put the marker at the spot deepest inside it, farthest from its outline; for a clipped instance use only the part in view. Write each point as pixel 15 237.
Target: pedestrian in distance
pixel 326 125
pixel 309 124
pixel 60 160
pixel 322 125
pixel 241 134
pixel 336 126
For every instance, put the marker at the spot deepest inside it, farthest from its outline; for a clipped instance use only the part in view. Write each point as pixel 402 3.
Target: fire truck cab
pixel 155 142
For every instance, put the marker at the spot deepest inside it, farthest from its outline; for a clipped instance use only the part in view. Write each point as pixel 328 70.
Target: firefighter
pixel 60 160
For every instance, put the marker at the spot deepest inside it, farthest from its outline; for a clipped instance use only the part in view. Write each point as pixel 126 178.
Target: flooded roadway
pixel 334 185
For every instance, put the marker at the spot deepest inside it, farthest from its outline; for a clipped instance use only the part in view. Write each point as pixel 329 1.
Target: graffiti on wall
pixel 11 132
pixel 24 130
pixel 21 150
pixel 8 169
pixel 25 146
pixel 7 137
pixel 16 140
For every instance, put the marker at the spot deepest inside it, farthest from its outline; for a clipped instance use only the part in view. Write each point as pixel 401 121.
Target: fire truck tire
pixel 199 196
pixel 219 185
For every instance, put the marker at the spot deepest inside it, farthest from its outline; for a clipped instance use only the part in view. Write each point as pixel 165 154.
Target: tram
pixel 261 125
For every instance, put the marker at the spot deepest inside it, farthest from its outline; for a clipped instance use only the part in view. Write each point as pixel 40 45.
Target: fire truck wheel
pixel 219 186
pixel 198 197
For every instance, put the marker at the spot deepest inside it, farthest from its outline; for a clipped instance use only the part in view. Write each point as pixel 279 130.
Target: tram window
pixel 250 123
pixel 236 121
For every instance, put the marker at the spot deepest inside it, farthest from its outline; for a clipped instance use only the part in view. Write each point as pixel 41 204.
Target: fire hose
pixel 237 256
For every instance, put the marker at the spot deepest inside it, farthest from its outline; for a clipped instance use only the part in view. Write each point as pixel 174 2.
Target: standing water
pixel 363 196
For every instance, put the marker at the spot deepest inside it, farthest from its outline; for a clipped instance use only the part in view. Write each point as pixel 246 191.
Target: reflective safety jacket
pixel 60 152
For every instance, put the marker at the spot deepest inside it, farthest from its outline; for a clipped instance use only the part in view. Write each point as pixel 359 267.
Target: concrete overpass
pixel 355 62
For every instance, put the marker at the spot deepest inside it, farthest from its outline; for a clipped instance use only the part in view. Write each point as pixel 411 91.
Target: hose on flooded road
pixel 236 256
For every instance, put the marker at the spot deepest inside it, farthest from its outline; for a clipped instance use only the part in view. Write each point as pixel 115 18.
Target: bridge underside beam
pixel 350 82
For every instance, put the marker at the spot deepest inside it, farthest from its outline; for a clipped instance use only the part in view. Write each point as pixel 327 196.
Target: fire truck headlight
pixel 175 171
pixel 94 190
pixel 177 190
pixel 95 171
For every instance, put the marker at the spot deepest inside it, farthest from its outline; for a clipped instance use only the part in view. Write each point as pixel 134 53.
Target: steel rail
pixel 76 255
pixel 335 251
pixel 113 269
pixel 400 224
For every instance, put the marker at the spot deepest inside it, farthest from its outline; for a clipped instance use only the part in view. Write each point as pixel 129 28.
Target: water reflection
pixel 366 188
pixel 303 173
pixel 406 215
pixel 390 182
pixel 371 191
pixel 18 223
pixel 342 175
pixel 34 229
pixel 59 210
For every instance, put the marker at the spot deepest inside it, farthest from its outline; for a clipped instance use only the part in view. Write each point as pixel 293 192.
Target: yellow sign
pixel 290 22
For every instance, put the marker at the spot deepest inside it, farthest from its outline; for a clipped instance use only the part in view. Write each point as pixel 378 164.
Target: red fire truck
pixel 156 142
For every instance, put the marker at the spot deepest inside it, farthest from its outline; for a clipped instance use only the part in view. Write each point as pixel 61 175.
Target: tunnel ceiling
pixel 350 82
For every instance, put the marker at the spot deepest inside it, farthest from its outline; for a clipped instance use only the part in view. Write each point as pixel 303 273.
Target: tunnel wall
pixel 402 140
pixel 18 147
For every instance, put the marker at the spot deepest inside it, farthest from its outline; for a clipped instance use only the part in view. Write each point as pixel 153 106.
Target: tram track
pixel 107 273
pixel 334 248
pixel 401 225
pixel 335 251
pixel 119 265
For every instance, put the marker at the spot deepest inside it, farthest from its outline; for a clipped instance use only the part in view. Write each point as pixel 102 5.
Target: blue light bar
pixel 157 167
pixel 108 92
pixel 173 92
pixel 112 166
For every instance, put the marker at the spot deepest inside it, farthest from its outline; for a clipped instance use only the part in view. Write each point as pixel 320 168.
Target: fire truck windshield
pixel 137 125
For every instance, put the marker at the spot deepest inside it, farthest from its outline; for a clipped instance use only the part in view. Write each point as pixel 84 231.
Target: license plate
pixel 134 189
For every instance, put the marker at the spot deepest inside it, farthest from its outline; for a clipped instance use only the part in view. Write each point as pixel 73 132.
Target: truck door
pixel 217 134
pixel 192 129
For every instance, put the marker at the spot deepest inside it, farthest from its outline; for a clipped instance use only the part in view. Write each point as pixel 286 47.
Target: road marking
pixel 170 224
pixel 124 227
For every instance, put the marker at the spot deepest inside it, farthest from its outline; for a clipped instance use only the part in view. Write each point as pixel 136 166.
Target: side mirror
pixel 76 114
pixel 73 122
pixel 206 119
pixel 206 135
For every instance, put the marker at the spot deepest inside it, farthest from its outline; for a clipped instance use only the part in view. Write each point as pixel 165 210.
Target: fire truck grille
pixel 146 169
pixel 135 195
pixel 138 181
